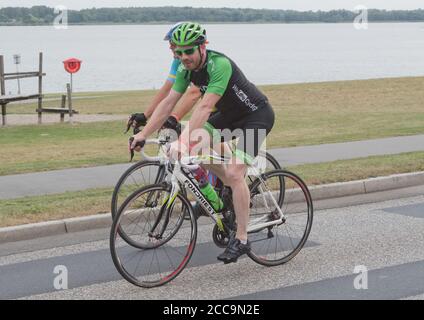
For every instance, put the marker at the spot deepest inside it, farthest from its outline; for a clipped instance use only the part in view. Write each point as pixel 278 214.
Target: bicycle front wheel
pixel 164 239
pixel 280 192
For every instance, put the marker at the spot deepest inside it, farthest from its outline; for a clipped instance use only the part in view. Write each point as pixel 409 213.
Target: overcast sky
pixel 302 5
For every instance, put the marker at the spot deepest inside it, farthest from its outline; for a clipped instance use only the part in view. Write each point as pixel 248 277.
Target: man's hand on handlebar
pixel 136 143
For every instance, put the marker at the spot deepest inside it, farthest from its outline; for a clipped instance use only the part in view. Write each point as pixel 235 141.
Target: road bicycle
pixel 151 170
pixel 161 229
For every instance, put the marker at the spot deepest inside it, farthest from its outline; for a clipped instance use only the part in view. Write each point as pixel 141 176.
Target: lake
pixel 130 57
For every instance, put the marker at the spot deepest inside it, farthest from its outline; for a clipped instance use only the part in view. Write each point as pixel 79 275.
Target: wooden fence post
pixel 71 113
pixel 40 86
pixel 63 106
pixel 2 90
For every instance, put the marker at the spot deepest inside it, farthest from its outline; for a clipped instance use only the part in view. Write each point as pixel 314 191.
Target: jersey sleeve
pixel 181 80
pixel 220 72
pixel 173 72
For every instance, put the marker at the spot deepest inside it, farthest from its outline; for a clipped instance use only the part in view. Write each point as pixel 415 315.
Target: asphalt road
pixel 384 234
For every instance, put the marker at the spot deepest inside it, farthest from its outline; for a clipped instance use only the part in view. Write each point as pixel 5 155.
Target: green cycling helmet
pixel 189 33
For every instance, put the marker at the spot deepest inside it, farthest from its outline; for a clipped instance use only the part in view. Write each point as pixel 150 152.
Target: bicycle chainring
pixel 221 238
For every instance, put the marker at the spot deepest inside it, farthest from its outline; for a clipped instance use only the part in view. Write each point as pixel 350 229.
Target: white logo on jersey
pixel 244 98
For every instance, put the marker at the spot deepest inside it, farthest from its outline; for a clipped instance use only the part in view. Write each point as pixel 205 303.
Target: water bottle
pixel 206 188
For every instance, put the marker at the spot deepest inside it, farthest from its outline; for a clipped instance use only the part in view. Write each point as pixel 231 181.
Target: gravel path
pixel 23 119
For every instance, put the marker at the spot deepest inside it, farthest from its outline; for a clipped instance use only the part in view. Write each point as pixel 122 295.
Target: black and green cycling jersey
pixel 220 75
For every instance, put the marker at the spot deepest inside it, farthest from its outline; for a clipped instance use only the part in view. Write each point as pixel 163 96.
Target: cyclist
pixel 188 101
pixel 190 98
pixel 240 106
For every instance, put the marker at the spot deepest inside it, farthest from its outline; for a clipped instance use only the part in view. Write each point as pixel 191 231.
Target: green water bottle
pixel 207 190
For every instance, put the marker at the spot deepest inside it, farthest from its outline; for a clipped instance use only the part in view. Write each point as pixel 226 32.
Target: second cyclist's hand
pixel 171 123
pixel 138 119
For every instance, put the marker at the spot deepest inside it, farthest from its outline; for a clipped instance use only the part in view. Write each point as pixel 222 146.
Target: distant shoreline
pixel 43 15
pixel 205 23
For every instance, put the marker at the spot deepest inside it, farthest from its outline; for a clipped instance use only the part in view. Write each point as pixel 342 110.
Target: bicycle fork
pixel 165 211
pixel 153 199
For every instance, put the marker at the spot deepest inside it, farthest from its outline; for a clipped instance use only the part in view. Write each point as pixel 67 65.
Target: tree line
pixel 42 15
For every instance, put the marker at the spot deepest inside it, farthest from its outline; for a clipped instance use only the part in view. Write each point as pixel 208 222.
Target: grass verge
pixel 306 114
pixel 96 201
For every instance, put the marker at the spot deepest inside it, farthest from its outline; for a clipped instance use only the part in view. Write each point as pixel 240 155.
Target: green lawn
pixel 306 114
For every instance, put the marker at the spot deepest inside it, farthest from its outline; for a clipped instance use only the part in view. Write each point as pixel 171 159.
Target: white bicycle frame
pixel 179 177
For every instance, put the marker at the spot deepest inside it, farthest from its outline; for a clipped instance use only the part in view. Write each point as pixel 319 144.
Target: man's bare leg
pixel 233 175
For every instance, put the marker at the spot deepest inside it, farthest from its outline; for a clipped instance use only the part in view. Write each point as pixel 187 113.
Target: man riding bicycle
pixel 241 107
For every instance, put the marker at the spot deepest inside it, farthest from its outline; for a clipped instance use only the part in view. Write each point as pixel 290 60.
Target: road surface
pixel 378 236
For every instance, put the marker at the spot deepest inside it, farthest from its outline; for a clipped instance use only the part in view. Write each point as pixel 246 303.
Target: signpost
pixel 17 62
pixel 72 66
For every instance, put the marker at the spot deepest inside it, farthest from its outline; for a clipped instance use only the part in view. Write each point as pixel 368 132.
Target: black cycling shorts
pixel 251 129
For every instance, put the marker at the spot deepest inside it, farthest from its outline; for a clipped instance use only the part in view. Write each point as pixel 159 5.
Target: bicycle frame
pixel 179 177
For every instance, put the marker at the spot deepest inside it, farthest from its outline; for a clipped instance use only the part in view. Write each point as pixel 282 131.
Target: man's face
pixel 189 56
pixel 172 47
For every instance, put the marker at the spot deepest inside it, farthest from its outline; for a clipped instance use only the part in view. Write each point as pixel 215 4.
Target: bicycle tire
pixel 116 246
pixel 297 198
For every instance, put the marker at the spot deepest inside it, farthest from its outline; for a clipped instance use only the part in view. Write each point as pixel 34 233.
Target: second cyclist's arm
pixel 162 94
pixel 160 114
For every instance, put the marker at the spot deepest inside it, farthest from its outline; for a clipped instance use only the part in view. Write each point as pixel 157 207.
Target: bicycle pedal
pixel 227 261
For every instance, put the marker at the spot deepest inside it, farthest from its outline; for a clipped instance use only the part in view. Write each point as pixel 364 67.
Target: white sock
pixel 243 241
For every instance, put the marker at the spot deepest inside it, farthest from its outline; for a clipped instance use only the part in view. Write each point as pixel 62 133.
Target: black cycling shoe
pixel 234 250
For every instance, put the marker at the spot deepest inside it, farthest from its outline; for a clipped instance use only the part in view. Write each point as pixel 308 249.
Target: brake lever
pixel 131 150
pixel 129 123
pixel 138 144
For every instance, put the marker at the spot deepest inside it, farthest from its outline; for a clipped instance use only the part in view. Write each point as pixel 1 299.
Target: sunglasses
pixel 188 52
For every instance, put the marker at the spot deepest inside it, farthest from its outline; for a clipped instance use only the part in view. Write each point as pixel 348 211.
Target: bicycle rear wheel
pixel 278 244
pixel 140 174
pixel 164 240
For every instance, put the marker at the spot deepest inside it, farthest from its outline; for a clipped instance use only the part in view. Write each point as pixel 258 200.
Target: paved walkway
pixel 24 119
pixel 32 184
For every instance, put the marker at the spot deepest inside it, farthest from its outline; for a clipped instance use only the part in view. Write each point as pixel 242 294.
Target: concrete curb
pixel 333 190
pixel 342 189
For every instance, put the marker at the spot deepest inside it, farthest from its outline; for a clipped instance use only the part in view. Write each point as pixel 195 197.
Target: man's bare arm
pixel 201 112
pixel 159 116
pixel 187 102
